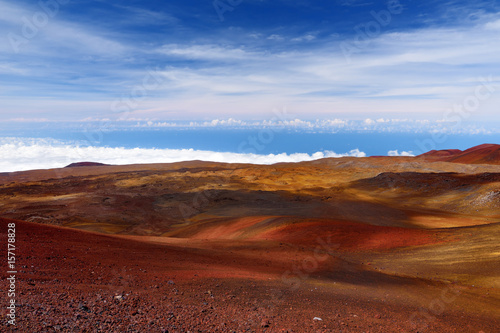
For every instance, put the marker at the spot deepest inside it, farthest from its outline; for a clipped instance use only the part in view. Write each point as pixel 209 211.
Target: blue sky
pixel 76 60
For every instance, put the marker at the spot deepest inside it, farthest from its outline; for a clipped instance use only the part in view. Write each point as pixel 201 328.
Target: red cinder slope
pixel 482 154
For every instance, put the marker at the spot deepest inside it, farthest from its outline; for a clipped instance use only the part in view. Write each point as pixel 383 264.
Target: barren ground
pixel 365 244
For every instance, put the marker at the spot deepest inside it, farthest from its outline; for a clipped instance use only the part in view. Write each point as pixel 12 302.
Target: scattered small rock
pixel 265 323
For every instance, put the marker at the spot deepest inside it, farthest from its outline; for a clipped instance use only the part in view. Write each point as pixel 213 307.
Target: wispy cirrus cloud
pixel 143 16
pixel 207 52
pixel 237 71
pixel 31 30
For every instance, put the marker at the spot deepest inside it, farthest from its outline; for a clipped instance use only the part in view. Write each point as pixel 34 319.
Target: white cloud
pixel 308 38
pixel 397 153
pixel 276 37
pixel 11 13
pixel 145 16
pixel 53 36
pixel 332 122
pixel 285 120
pixel 494 25
pixel 413 72
pixel 29 154
pixel 206 52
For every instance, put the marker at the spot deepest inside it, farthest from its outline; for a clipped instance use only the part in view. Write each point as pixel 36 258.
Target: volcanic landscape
pixel 375 244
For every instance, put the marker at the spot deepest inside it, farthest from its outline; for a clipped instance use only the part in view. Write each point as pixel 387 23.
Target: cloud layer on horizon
pixel 29 154
pixel 280 120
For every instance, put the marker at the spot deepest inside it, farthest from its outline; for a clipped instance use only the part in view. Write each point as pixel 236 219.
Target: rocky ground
pixel 74 281
pixel 336 245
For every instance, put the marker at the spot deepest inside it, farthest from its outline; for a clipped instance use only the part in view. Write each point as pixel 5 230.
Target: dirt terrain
pixel 482 154
pixel 377 244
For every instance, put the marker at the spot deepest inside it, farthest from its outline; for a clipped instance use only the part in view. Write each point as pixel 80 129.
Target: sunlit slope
pixel 161 199
pixel 469 255
pixel 482 154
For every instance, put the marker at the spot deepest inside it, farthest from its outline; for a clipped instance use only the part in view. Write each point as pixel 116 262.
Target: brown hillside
pixel 482 154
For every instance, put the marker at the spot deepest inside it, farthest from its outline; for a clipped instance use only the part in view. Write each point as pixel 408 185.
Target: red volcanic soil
pixel 442 154
pixel 366 245
pixel 482 154
pixel 75 281
pixel 350 236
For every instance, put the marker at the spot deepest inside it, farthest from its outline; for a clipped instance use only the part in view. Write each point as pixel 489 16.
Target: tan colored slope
pixel 452 196
pixel 471 256
pixel 159 199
